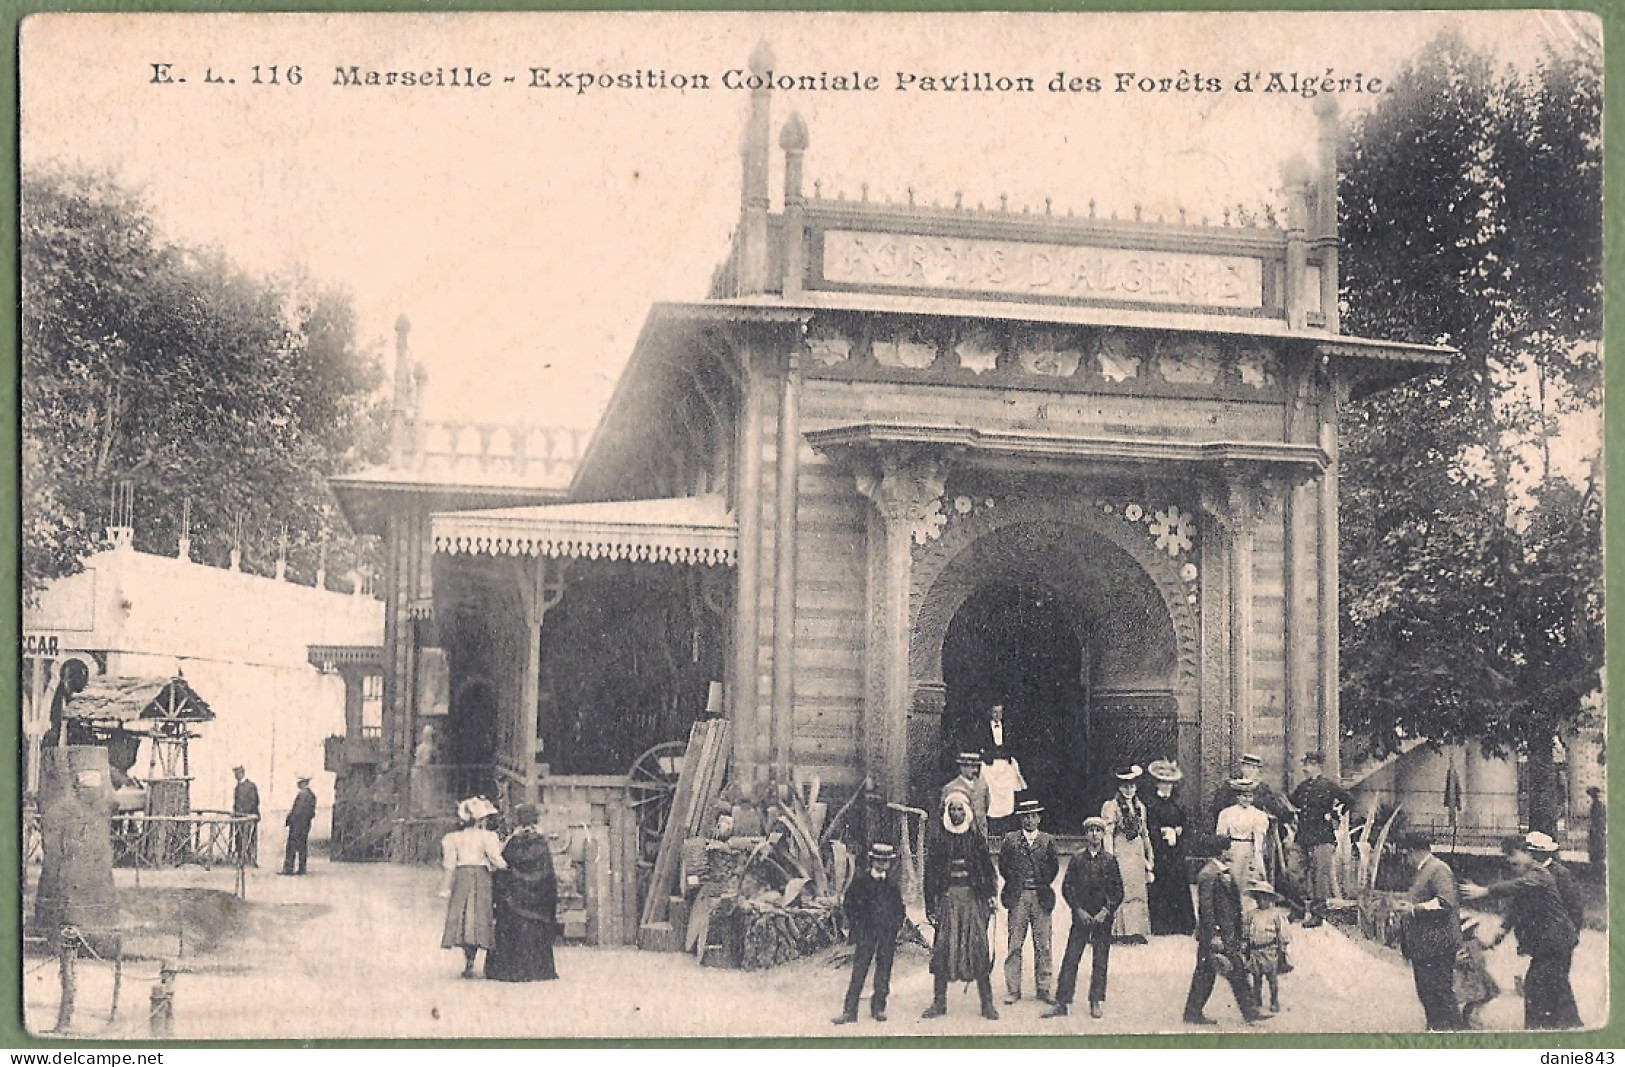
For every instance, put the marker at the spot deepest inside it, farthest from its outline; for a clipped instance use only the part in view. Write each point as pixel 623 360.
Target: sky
pixel 525 230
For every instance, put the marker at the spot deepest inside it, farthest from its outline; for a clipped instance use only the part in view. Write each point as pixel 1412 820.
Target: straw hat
pixel 1165 770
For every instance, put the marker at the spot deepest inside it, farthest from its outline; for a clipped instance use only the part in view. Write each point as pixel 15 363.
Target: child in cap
pixel 1267 938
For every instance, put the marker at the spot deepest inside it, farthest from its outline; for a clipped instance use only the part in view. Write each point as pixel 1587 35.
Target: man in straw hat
pixel 874 912
pixel 1431 932
pixel 971 784
pixel 1028 864
pixel 1320 803
pixel 1545 932
pixel 1220 936
pixel 300 816
pixel 1093 889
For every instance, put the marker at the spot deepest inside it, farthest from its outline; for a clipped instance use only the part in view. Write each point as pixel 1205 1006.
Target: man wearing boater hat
pixel 874 912
pixel 1028 864
pixel 970 783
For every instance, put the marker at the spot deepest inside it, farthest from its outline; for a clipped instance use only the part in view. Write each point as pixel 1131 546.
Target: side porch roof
pixel 696 530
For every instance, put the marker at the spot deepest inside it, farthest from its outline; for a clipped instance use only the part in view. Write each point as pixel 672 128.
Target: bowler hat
pixel 1029 807
pixel 1251 760
pixel 966 758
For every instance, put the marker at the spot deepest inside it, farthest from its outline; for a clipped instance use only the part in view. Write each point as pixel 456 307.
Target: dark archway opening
pixel 1016 645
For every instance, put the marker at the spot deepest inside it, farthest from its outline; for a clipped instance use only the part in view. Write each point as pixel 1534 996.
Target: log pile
pixel 770 935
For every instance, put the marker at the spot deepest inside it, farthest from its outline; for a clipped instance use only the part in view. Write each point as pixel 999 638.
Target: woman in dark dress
pixel 1170 893
pixel 527 896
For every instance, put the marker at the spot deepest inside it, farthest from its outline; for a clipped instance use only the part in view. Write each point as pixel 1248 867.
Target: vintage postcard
pixel 719 525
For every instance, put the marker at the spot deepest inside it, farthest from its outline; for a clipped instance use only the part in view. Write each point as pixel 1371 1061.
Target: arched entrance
pixel 1076 628
pixel 1014 645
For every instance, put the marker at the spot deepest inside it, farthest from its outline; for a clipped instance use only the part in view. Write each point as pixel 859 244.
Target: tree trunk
pixel 1544 805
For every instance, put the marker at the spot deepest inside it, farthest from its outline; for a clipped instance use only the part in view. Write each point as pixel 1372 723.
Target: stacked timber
pixel 705 763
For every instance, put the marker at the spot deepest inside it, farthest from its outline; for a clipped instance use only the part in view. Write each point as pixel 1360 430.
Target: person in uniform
pixel 1220 936
pixel 1320 804
pixel 1431 932
pixel 1127 839
pixel 245 804
pixel 874 913
pixel 1170 890
pixel 959 885
pixel 468 855
pixel 303 812
pixel 1544 930
pixel 1028 865
pixel 970 783
pixel 1093 889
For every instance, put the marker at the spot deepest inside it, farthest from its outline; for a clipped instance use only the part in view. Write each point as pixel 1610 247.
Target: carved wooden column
pixel 902 486
pixel 1236 506
pixel 1334 395
pixel 742 697
pixel 541 586
pixel 784 579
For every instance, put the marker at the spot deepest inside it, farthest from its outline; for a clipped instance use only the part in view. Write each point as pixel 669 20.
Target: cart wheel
pixel 650 786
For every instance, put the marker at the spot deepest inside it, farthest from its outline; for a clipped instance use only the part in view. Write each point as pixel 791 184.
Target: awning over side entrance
pixel 692 530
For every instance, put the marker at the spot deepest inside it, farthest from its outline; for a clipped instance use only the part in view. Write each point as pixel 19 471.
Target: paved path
pixel 352 950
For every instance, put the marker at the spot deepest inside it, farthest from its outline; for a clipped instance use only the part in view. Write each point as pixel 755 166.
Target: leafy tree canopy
pixel 1471 214
pixel 171 371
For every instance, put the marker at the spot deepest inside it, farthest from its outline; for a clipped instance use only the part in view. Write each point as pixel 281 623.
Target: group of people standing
pixel 245 830
pixel 1131 878
pixel 502 894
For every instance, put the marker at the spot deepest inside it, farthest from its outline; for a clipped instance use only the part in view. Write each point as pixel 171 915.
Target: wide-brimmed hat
pixel 1539 842
pixel 526 815
pixel 1127 772
pixel 1164 770
pixel 881 852
pixel 239 767
pixel 1261 888
pixel 965 759
pixel 1244 785
pixel 948 821
pixel 302 779
pixel 474 809
pixel 1094 820
pixel 1249 759
pixel 1029 807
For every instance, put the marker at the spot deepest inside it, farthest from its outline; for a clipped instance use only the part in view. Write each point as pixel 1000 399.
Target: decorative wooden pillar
pixel 1237 507
pixel 784 585
pixel 541 586
pixel 902 486
pixel 747 602
pixel 1330 724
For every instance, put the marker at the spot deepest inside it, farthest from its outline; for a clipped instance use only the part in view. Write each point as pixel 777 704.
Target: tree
pixel 1471 209
pixel 171 371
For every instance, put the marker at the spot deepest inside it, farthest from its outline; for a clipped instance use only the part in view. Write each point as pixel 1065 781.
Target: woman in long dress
pixel 959 885
pixel 1127 839
pixel 1170 890
pixel 469 854
pixel 527 897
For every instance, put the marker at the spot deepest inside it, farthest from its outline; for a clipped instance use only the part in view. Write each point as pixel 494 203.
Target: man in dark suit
pixel 1431 933
pixel 245 804
pixel 1219 936
pixel 1545 933
pixel 1545 852
pixel 1028 864
pixel 300 816
pixel 1093 889
pixel 874 912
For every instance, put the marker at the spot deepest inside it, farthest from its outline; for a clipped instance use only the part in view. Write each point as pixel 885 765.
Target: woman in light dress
pixel 469 854
pixel 1129 839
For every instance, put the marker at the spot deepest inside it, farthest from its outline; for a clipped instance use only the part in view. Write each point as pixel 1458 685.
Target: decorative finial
pixel 959 201
pixel 865 188
pixel 1182 216
pixel 1004 202
pixel 793 138
pixel 1227 216
pixel 911 196
pixel 761 59
pixel 1046 205
pixel 1091 207
pixel 1136 212
pixel 818 189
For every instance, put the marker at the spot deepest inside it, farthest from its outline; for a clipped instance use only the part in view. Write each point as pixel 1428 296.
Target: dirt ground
pixel 352 951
